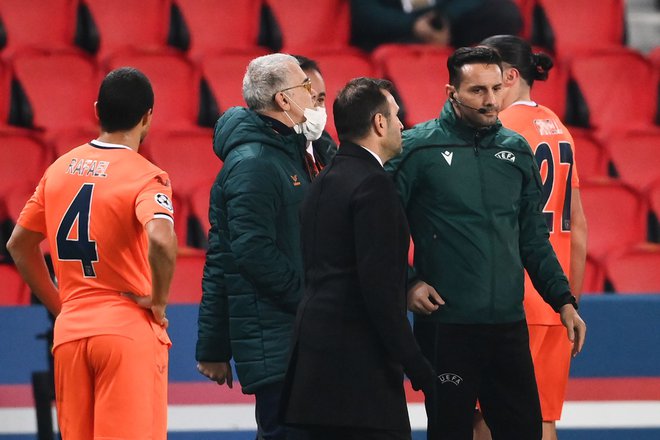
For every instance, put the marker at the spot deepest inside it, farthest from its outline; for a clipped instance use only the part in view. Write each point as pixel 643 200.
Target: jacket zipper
pixel 488 213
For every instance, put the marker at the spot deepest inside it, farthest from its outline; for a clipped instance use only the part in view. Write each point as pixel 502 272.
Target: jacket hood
pixel 239 125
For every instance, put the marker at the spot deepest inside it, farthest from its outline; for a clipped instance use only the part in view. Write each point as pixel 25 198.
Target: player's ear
pixel 96 110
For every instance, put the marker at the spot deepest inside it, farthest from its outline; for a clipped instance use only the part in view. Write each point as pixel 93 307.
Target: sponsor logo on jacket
pixel 506 155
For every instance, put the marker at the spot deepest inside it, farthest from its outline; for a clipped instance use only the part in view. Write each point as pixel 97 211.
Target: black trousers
pixel 491 363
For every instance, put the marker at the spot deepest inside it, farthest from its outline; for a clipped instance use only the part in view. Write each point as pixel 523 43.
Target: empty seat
pixel 38 24
pixel 419 74
pixel 176 84
pixel 64 140
pixel 126 24
pixel 224 75
pixel 591 157
pixel 199 206
pixel 615 104
pixel 527 13
pixel 186 287
pixel 60 87
pixel 338 68
pixel 594 277
pixel 552 92
pixel 583 25
pixel 636 270
pixel 321 24
pixel 216 26
pixel 14 291
pixel 635 156
pixel 615 215
pixel 189 160
pixel 24 159
pixel 5 93
pixel 654 198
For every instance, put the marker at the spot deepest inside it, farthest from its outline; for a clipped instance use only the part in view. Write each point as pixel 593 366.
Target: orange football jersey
pixel 554 150
pixel 92 204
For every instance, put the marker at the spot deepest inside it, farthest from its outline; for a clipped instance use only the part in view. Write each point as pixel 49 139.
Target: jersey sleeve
pixel 33 215
pixel 155 199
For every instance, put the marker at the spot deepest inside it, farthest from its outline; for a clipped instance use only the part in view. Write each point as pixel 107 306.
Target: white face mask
pixel 315 119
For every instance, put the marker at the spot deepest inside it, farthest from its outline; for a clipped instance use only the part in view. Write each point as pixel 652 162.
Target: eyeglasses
pixel 307 84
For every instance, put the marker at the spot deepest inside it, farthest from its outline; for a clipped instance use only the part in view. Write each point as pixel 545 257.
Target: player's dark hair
pixel 518 53
pixel 125 96
pixel 307 64
pixel 357 104
pixel 470 55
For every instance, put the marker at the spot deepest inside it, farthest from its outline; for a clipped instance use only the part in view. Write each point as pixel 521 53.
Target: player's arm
pixel 23 246
pixel 162 257
pixel 578 244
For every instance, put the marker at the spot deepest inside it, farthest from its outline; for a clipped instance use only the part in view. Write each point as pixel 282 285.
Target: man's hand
pixel 423 299
pixel 217 371
pixel 159 314
pixel 575 326
pixel 146 302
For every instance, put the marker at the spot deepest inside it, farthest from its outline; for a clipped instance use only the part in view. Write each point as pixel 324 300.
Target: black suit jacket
pixel 352 340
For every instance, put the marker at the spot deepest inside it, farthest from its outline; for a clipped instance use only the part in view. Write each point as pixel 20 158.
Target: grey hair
pixel 265 76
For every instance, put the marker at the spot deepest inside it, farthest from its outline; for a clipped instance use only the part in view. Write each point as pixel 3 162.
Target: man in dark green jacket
pixel 253 278
pixel 472 194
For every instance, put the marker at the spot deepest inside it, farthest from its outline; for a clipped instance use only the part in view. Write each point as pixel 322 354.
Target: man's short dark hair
pixel 470 55
pixel 307 64
pixel 357 104
pixel 125 96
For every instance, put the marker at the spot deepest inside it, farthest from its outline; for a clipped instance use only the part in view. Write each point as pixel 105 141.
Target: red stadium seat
pixel 5 94
pixel 189 160
pixel 654 56
pixel 199 203
pixel 39 24
pixel 654 198
pixel 594 278
pixel 60 87
pixel 615 104
pixel 583 25
pixel 64 140
pixel 419 74
pixel 635 157
pixel 615 215
pixel 24 159
pixel 215 26
pixel 636 270
pixel 552 92
pixel 527 12
pixel 338 68
pixel 176 84
pixel 14 291
pixel 309 26
pixel 590 156
pixel 126 24
pixel 186 287
pixel 224 75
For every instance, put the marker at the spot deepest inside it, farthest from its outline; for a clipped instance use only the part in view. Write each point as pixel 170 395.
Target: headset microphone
pixel 482 110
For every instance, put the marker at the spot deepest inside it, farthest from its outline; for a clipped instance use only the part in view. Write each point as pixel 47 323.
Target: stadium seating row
pixel 33 84
pixel 105 26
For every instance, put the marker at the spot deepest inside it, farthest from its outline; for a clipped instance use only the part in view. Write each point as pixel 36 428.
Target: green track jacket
pixel 253 276
pixel 473 200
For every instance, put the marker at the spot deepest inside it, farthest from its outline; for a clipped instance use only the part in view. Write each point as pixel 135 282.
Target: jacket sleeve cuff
pixel 421 374
pixel 562 300
pixel 213 350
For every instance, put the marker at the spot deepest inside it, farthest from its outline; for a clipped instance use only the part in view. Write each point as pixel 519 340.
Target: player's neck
pixel 519 93
pixel 130 138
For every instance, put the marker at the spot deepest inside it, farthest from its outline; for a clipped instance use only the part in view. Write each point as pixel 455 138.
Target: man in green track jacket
pixel 253 277
pixel 472 194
